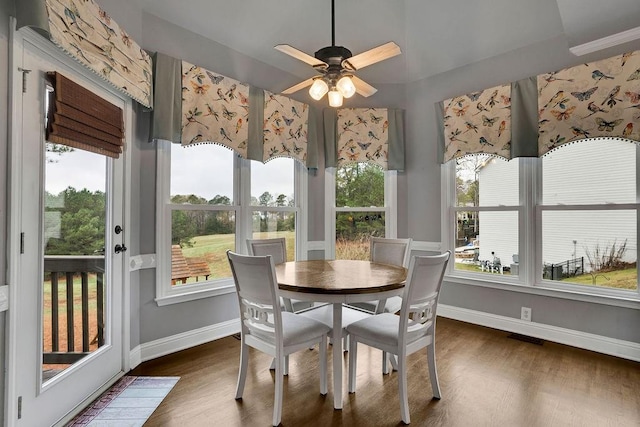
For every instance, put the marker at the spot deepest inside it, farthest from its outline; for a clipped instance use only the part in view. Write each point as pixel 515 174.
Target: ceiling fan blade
pixel 362 87
pixel 299 86
pixel 300 55
pixel 377 54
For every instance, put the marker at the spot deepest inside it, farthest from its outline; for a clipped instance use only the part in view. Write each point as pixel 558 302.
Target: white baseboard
pixel 168 345
pixel 611 346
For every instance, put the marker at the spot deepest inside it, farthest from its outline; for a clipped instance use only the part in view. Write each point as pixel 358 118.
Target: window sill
pixel 223 288
pixel 625 301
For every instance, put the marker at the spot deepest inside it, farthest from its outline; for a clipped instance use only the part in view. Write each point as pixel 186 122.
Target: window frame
pixel 241 206
pixel 530 278
pixel 390 208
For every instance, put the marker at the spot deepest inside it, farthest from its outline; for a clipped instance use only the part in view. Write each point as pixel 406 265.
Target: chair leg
pixel 386 358
pixel 242 373
pixel 277 399
pixel 402 385
pixel 323 365
pixel 394 361
pixel 353 354
pixel 286 364
pixel 433 374
pixel 345 340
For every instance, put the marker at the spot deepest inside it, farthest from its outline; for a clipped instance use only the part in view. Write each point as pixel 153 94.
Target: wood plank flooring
pixel 487 379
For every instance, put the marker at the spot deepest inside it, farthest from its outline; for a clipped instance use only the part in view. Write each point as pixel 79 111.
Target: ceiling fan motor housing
pixel 333 57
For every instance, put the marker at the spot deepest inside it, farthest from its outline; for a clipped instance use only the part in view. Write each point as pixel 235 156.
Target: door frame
pixel 17 40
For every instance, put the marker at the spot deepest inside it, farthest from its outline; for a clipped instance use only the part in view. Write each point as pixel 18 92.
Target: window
pixel 361 202
pixel 273 203
pixel 209 201
pixel 487 211
pixel 565 221
pixel 589 214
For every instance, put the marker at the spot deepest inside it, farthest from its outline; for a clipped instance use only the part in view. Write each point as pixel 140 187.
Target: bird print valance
pixel 215 109
pixel 369 135
pixel 86 32
pixel 195 105
pixel 478 122
pixel 597 99
pixel 285 128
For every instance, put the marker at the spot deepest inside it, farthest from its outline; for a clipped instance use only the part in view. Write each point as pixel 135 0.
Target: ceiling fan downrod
pixel 333 55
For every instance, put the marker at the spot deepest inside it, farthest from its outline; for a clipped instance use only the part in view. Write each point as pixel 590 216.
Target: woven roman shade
pixel 81 119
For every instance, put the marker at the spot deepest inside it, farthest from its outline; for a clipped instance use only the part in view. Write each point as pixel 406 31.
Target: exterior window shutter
pixel 78 118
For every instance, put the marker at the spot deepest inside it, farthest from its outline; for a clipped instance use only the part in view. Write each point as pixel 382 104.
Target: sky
pixel 205 170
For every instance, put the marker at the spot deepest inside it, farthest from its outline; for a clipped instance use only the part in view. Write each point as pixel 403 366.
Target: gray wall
pixel 423 187
pixel 419 193
pixel 159 35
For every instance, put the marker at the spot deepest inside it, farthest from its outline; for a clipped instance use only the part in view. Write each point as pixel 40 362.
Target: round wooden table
pixel 338 282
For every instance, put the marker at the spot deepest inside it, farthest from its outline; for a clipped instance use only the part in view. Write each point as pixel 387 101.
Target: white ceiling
pixel 435 35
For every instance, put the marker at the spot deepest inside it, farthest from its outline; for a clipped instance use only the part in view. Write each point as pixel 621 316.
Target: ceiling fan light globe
pixel 335 98
pixel 318 89
pixel 346 87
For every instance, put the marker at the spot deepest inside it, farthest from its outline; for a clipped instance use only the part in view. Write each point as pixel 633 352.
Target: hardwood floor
pixel 487 379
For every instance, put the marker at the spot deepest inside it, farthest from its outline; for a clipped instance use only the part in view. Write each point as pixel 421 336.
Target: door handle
pixel 120 248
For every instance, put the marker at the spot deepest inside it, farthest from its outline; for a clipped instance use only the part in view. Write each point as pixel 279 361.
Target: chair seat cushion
pixel 382 328
pixel 297 329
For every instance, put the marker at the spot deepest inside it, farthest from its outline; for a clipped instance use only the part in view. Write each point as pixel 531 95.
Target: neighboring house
pixel 573 174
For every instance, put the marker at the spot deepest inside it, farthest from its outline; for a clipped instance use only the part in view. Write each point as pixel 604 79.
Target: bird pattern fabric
pixel 597 99
pixel 363 136
pixel 215 109
pixel 285 128
pixel 478 122
pixel 87 33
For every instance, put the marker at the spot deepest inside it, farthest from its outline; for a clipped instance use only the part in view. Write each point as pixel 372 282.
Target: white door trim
pixel 14 211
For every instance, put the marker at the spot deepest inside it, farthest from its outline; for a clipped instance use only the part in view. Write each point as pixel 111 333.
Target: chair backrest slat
pixel 420 297
pixel 256 285
pixel 276 247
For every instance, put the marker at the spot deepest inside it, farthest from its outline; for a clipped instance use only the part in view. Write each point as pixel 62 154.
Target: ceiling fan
pixel 337 67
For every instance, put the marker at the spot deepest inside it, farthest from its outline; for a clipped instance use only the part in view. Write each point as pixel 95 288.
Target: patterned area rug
pixel 128 403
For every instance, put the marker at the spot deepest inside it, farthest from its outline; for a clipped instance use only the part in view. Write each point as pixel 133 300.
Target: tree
pixel 220 200
pixel 265 199
pixel 359 184
pixel 75 222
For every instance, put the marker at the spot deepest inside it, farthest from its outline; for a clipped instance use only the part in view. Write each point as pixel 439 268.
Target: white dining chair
pixel 265 327
pixel 386 251
pixel 277 248
pixel 409 332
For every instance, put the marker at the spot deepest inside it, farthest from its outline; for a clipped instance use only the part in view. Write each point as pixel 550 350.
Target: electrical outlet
pixel 525 314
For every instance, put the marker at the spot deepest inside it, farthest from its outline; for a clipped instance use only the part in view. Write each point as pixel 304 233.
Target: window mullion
pixel 530 241
pixel 330 213
pixel 242 199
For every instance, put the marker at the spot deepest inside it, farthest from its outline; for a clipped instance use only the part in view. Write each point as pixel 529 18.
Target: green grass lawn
pixel 213 248
pixel 620 279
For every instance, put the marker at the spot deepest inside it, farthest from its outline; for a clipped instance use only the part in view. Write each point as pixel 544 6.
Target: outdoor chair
pixel 265 327
pixel 413 330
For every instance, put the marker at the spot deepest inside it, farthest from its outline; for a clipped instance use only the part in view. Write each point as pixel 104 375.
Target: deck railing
pixel 74 276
